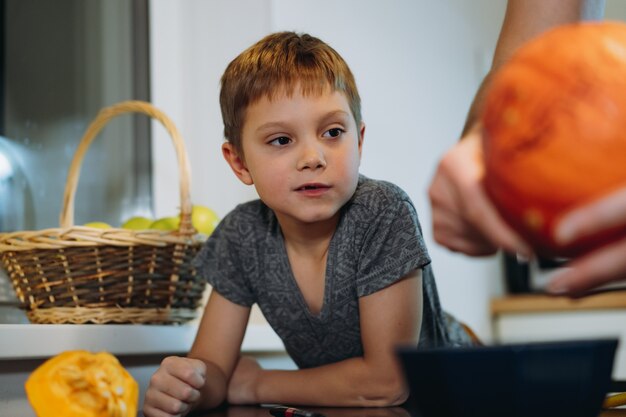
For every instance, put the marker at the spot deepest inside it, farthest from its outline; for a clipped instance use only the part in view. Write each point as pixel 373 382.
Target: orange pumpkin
pixel 554 121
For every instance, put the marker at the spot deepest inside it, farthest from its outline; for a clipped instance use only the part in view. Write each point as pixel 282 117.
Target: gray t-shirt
pixel 377 242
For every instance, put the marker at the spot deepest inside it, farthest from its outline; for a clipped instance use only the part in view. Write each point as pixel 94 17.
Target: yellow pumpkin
pixel 82 384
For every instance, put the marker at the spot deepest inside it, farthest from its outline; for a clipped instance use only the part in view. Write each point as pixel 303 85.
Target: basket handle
pixel 103 117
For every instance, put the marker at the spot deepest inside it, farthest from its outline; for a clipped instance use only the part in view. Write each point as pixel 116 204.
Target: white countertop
pixel 30 341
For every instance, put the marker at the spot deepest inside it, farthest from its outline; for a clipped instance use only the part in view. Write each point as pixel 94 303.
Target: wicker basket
pixel 76 274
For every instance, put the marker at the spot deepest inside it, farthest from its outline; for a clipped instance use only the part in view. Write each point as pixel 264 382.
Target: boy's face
pixel 302 154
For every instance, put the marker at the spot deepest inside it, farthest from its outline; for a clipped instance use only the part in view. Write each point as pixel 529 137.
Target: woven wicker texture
pixel 77 274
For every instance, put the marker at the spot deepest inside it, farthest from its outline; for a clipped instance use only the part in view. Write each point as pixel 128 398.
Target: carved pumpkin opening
pixel 80 383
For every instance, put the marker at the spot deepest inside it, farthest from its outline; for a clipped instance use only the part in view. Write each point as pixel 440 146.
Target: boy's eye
pixel 280 141
pixel 335 132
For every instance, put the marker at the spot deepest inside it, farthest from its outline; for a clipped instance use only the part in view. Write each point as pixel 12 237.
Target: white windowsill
pixel 31 341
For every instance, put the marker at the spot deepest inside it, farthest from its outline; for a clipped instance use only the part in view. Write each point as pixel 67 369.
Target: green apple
pixel 204 219
pixel 137 223
pixel 98 225
pixel 166 223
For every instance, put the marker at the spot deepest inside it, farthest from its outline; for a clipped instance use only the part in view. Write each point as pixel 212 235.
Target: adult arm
pixel 464 219
pixel 523 20
pixel 388 318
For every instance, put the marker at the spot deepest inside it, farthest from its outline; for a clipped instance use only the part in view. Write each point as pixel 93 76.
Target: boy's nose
pixel 311 158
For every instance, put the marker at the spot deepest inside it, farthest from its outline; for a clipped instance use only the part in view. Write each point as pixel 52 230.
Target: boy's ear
pixel 361 135
pixel 236 163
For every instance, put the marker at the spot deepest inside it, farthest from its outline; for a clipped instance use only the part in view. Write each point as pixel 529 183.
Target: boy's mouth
pixel 312 186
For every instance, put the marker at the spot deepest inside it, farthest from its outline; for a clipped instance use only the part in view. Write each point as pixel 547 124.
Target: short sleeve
pixel 219 262
pixel 393 247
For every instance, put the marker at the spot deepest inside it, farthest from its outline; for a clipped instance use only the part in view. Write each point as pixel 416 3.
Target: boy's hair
pixel 282 60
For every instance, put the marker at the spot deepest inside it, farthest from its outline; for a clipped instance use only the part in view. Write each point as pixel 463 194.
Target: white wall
pixel 417 65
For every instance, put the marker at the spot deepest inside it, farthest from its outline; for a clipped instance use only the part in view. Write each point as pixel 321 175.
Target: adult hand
pixel 242 385
pixel 175 387
pixel 464 220
pixel 601 266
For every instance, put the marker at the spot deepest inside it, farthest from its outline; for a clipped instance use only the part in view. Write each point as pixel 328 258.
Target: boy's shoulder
pixel 378 193
pixel 254 208
pixel 248 215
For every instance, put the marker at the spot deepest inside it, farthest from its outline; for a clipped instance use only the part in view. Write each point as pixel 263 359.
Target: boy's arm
pixel 218 345
pixel 389 317
pixel 199 381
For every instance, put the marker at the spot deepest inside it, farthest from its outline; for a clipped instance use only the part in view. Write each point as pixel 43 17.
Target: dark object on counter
pixel 516 274
pixel 568 379
pixel 521 278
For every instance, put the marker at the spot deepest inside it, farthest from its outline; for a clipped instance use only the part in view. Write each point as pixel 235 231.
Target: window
pixel 62 61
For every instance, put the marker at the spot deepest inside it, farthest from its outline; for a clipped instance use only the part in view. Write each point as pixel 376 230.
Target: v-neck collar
pixel 328 276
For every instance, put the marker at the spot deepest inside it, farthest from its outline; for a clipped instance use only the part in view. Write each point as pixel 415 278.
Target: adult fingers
pixel 605 213
pixel 484 217
pixel 602 266
pixel 464 219
pixel 449 224
pixel 458 236
pixel 471 224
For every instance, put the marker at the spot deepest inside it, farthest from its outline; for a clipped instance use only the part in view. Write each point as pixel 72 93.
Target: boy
pixel 335 261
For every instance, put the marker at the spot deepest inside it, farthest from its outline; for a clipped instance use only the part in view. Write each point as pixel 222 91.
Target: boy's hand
pixel 175 387
pixel 242 386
